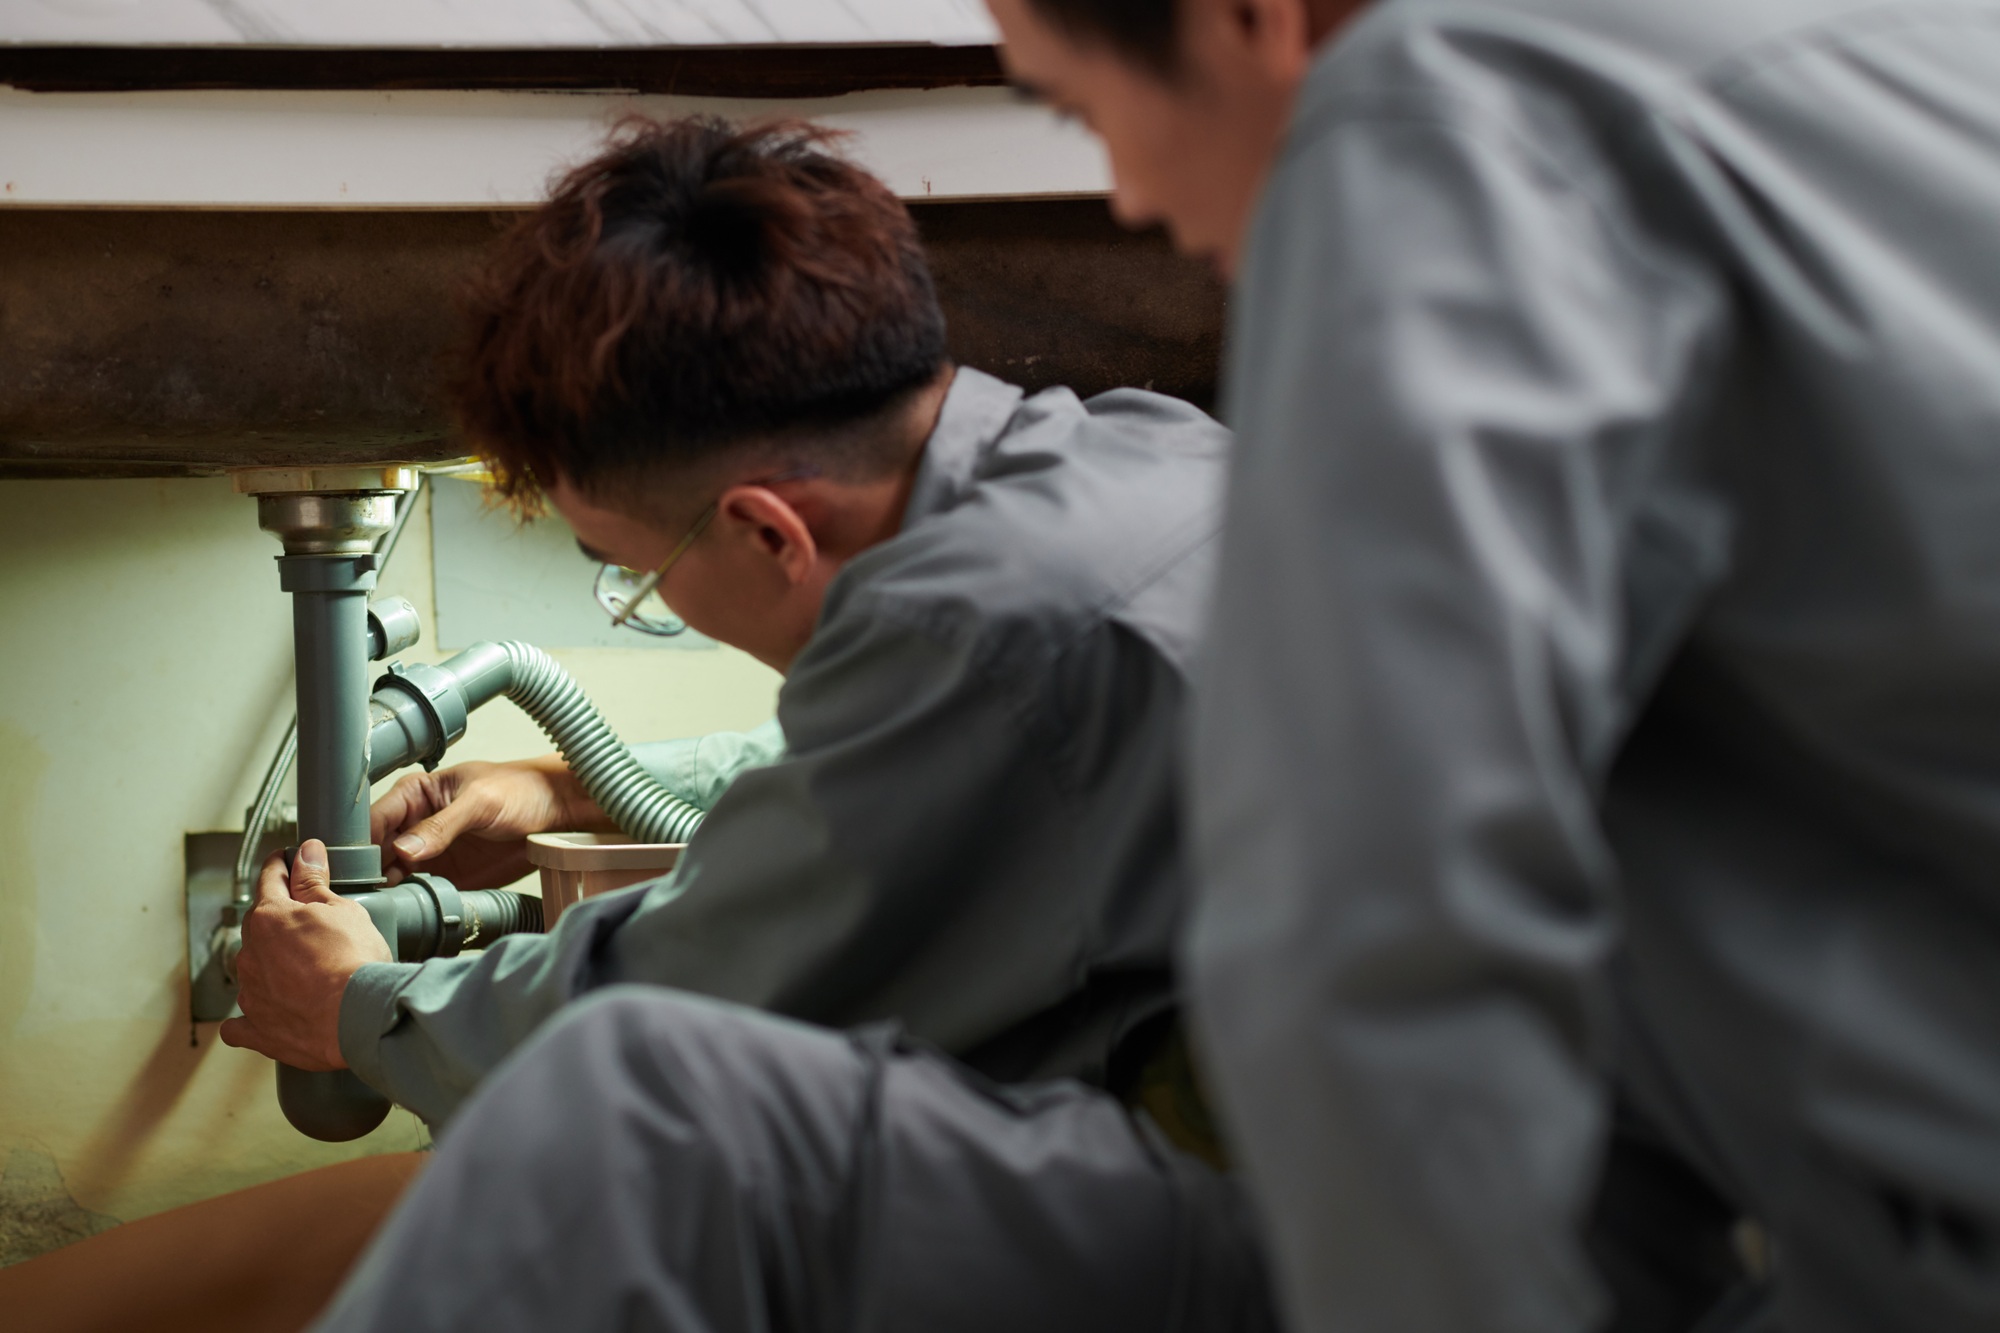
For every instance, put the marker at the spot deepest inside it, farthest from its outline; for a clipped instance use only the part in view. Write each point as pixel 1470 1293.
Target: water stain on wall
pixel 37 1213
pixel 120 1139
pixel 22 764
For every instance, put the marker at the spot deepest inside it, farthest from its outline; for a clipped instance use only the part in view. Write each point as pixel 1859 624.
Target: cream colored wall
pixel 144 675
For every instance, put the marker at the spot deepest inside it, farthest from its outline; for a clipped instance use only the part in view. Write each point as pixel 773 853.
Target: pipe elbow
pixel 418 712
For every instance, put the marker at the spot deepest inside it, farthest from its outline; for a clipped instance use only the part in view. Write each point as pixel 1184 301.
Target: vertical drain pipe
pixel 328 520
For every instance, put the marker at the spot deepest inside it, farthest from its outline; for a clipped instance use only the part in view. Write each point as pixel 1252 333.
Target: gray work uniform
pixel 1606 664
pixel 973 827
pixel 655 1160
pixel 698 769
pixel 966 823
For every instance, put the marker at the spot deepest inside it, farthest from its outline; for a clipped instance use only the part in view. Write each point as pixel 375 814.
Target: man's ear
pixel 775 530
pixel 1274 35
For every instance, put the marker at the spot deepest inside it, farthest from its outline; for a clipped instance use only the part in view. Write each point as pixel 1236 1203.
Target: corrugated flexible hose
pixel 420 710
pixel 630 797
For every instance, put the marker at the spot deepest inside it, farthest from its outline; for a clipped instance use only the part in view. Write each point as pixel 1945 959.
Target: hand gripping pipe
pixel 417 711
pixel 423 917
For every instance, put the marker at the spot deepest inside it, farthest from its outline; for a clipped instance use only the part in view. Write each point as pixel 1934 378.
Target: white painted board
pixel 491 23
pixel 234 149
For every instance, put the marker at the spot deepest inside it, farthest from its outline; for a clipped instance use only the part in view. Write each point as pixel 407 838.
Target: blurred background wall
pixel 145 674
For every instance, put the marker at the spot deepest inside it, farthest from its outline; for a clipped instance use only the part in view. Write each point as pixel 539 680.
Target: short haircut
pixel 1143 31
pixel 695 286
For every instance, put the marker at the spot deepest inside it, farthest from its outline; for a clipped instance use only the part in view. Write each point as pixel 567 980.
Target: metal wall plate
pixel 210 860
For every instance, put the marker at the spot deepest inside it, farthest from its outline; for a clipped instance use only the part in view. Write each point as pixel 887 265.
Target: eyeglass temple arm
pixel 652 580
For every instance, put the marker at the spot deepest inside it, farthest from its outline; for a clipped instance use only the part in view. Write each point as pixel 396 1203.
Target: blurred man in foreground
pixel 1606 673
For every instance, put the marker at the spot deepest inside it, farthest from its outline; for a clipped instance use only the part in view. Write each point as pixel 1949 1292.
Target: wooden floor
pixel 261 1260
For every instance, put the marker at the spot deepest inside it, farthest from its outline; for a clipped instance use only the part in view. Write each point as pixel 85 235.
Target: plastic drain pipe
pixel 418 711
pixel 329 527
pixel 329 521
pixel 415 714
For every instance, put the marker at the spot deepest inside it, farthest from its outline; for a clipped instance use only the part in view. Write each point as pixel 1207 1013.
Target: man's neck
pixel 862 514
pixel 1325 19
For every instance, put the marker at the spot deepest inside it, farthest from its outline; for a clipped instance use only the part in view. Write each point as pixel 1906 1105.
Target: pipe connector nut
pixel 425 702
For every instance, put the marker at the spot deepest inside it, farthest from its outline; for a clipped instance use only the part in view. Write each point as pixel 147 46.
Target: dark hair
pixel 694 286
pixel 1144 31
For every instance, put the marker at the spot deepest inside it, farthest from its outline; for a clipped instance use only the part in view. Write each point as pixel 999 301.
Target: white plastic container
pixel 575 866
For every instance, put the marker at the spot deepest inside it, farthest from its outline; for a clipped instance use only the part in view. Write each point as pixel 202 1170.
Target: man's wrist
pixel 580 814
pixel 367 1013
pixel 335 1055
pixel 574 811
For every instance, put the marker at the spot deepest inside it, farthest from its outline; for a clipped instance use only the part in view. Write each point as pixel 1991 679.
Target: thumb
pixel 429 837
pixel 309 874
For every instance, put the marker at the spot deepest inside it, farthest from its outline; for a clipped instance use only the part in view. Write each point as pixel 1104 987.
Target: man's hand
pixel 301 943
pixel 470 823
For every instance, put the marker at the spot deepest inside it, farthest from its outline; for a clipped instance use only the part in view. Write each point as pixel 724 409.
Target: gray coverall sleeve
pixel 1451 375
pixel 785 899
pixel 698 769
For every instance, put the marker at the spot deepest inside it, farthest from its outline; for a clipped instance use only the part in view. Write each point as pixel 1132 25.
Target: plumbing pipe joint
pixel 415 714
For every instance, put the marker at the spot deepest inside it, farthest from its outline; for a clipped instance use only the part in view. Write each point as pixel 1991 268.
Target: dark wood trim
pixel 96 469
pixel 140 342
pixel 717 71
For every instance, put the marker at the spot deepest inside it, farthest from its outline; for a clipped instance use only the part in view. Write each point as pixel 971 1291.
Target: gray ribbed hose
pixel 630 797
pixel 418 711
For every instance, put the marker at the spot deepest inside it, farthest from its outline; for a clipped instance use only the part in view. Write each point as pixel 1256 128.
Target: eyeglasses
pixel 633 597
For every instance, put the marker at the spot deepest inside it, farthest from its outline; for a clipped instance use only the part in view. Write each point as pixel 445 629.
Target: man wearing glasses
pixel 718 355
pixel 470 822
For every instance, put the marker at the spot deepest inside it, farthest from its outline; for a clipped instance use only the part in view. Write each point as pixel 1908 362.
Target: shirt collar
pixel 976 411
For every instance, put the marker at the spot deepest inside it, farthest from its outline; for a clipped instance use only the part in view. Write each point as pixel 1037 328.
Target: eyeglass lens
pixel 615 587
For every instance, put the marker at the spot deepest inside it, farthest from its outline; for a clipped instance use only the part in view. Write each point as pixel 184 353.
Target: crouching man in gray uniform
pixel 1606 686
pixel 718 354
